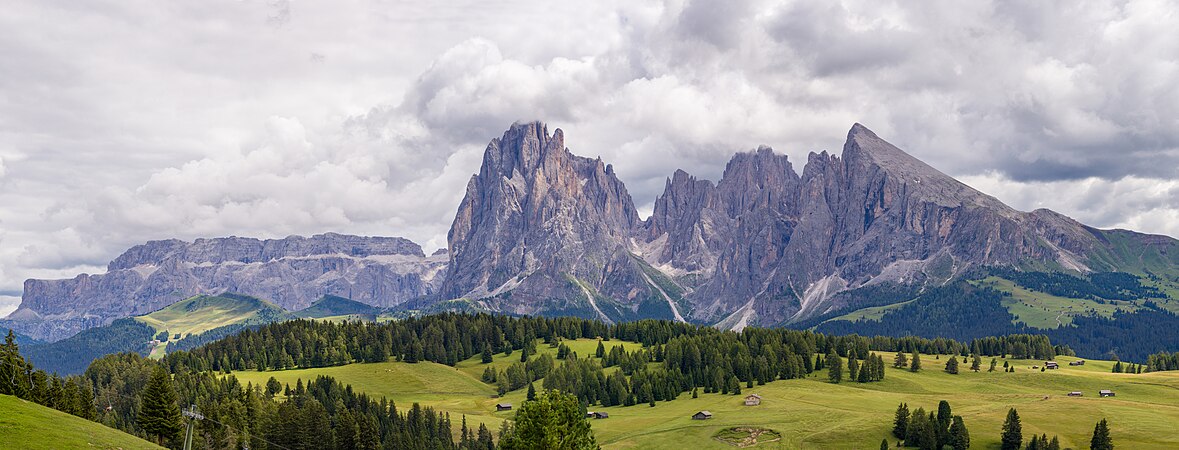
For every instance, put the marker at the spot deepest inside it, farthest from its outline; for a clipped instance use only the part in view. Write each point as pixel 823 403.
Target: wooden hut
pixel 1106 393
pixel 752 400
pixel 503 406
pixel 702 415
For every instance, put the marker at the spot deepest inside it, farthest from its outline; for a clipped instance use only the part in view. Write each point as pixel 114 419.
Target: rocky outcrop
pixel 542 230
pixel 764 245
pixel 291 272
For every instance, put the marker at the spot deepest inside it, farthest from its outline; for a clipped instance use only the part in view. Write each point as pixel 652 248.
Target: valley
pixel 811 412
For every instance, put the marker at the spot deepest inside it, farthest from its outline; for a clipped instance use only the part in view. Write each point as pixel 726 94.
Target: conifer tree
pixel 900 421
pixel 952 365
pixel 915 362
pixel 853 368
pixel 601 352
pixel 554 420
pixel 900 361
pixel 834 367
pixel 959 436
pixel 487 355
pixel 944 417
pixel 531 391
pixel 1012 437
pixel 1101 439
pixel 976 363
pixel 916 428
pixel 1054 444
pixel 159 414
pixel 993 363
pixel 884 444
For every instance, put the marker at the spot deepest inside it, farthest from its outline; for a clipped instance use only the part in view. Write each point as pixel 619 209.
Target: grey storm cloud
pixel 121 122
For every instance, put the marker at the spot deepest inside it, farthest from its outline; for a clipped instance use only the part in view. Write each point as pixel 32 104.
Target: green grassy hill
pixel 203 313
pixel 812 413
pixel 333 306
pixel 27 425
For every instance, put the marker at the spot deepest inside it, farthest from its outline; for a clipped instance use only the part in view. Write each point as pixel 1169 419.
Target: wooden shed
pixel 1051 365
pixel 752 400
pixel 702 415
pixel 1075 394
pixel 1106 393
pixel 503 406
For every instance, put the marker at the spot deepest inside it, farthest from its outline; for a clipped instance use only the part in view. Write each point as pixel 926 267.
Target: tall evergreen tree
pixel 900 421
pixel 159 414
pixel 993 363
pixel 487 355
pixel 1101 439
pixel 834 367
pixel 900 361
pixel 976 363
pixel 1012 437
pixel 1054 444
pixel 553 421
pixel 531 392
pixel 601 352
pixel 952 365
pixel 959 436
pixel 915 362
pixel 853 367
pixel 944 416
pixel 884 444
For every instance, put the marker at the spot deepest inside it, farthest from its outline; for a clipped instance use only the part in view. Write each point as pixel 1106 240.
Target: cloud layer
pixel 127 121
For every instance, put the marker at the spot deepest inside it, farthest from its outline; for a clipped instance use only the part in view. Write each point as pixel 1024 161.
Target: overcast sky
pixel 125 121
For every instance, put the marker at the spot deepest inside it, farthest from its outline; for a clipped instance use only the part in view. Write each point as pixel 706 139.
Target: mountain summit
pixel 542 231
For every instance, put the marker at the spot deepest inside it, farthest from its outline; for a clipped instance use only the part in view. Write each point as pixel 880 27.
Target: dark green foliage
pixel 273 387
pixel 884 444
pixel 1012 436
pixel 159 414
pixel 915 362
pixel 952 365
pixel 944 416
pixel 900 361
pixel 835 367
pixel 1096 286
pixel 531 392
pixel 975 363
pixel 553 421
pixel 1101 439
pixel 487 355
pixel 72 355
pixel 959 435
pixel 900 421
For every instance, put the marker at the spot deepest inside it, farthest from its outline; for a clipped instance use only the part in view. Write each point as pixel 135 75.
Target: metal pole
pixel 193 416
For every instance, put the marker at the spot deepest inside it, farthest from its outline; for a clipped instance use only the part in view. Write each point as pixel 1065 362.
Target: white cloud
pixel 273 118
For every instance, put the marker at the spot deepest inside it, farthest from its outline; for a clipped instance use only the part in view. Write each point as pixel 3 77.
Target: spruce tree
pixel 601 352
pixel 944 416
pixel 916 428
pixel 1101 439
pixel 553 420
pixel 1054 444
pixel 884 444
pixel 900 421
pixel 159 414
pixel 900 361
pixel 487 355
pixel 993 363
pixel 531 391
pixel 976 363
pixel 834 367
pixel 959 436
pixel 1012 437
pixel 915 362
pixel 952 365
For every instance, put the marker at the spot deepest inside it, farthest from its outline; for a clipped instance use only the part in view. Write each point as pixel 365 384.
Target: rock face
pixel 542 230
pixel 764 245
pixel 291 272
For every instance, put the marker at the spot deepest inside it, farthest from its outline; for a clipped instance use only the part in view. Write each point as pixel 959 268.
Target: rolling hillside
pixel 27 425
pixel 204 313
pixel 331 307
pixel 810 412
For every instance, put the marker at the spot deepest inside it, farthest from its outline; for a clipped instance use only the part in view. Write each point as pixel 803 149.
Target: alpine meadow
pixel 774 224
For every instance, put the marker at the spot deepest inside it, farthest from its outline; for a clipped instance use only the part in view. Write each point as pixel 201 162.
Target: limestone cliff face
pixel 542 230
pixel 291 272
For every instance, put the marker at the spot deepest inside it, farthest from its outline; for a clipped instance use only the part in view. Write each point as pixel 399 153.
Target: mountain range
pixel 541 230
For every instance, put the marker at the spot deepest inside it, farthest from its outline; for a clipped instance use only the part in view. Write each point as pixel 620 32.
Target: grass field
pixel 202 313
pixel 873 313
pixel 27 425
pixel 811 413
pixel 1042 310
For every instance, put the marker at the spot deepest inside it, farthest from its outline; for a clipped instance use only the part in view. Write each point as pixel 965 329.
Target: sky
pixel 132 120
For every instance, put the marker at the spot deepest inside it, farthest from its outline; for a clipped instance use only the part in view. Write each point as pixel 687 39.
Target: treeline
pixel 138 396
pixel 959 311
pixel 1161 361
pixel 72 355
pixel 1095 286
pixel 1126 335
pixel 19 378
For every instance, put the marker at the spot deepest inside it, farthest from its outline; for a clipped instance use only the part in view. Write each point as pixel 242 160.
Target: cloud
pixel 275 118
